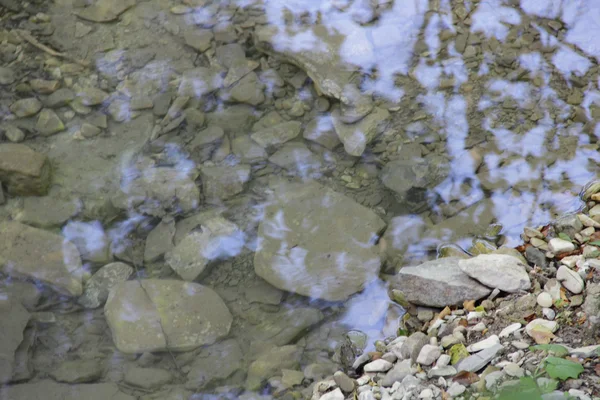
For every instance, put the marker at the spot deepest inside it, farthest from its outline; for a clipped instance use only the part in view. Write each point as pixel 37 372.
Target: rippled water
pixel 287 157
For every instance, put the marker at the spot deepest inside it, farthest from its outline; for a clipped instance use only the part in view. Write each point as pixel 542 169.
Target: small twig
pixel 34 42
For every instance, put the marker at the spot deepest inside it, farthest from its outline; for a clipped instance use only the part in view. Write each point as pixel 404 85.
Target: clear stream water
pixel 457 119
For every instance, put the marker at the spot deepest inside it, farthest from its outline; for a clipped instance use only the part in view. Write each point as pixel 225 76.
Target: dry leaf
pixel 542 336
pixel 445 396
pixel 444 313
pixel 563 294
pixel 530 317
pixel 590 274
pixel 466 378
pixel 375 355
pixel 463 322
pixel 597 369
pixel 582 320
pixel 469 305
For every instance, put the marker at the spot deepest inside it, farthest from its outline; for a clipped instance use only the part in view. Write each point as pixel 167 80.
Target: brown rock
pixel 24 171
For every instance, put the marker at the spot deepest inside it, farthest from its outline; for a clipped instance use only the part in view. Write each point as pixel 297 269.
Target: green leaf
pixel 525 389
pixel 594 243
pixel 559 368
pixel 547 385
pixel 556 349
pixel 564 236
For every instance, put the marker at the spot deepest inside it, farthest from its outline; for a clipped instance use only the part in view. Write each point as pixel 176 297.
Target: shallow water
pixel 289 155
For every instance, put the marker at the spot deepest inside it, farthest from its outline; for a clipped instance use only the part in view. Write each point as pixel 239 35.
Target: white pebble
pixel 544 299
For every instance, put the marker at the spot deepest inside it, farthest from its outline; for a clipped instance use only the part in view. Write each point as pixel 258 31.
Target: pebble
pixel 484 344
pixel 541 324
pixel 570 279
pixel 548 313
pixel 512 369
pixel 14 134
pixel 544 299
pixel 49 123
pixel 456 389
pixel 43 86
pixel 7 76
pixel 344 382
pixel 379 365
pixel 559 246
pixel 428 354
pixel 334 395
pixel 520 344
pixel 443 360
pixel 26 107
pixel 510 330
pixel 89 130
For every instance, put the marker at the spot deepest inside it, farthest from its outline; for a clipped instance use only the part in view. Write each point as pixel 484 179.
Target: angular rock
pixel 570 279
pixel 296 158
pixel 283 328
pixel 48 211
pixel 216 239
pixel 44 86
pixel 49 123
pixel 379 365
pixel 357 136
pixel 7 76
pixel 92 96
pixel 48 389
pixel 141 319
pixel 500 271
pixel 13 320
pixel 214 364
pixel 198 39
pixel 24 171
pixel 96 289
pixel 199 81
pixel 270 363
pixel 159 240
pixel 402 175
pixel 222 182
pixel 428 354
pixel 247 150
pixel 248 90
pixel 438 283
pixel 307 242
pixel 14 134
pixel 26 107
pixel 321 130
pixel 78 371
pixel 401 370
pixel 209 135
pixel 60 98
pixel 40 255
pixel 277 134
pixel 105 10
pixel 337 395
pixel 558 246
pixel 413 346
pixel 479 360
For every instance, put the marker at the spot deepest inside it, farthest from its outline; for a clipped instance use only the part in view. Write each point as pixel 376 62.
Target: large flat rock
pixel 155 315
pixel 317 242
pixel 500 271
pixel 40 255
pixel 438 283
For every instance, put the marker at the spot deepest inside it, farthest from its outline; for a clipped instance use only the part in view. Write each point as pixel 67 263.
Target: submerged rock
pixel 222 182
pixel 40 255
pixel 156 315
pixel 217 238
pixel 24 171
pixel 98 287
pixel 215 363
pixel 51 390
pixel 438 283
pixel 357 136
pixel 105 10
pixel 13 320
pixel 277 134
pixel 317 242
pixel 270 363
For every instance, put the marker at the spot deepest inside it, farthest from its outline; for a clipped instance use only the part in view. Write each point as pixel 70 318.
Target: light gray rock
pixel 444 371
pixel 277 134
pixel 214 364
pixel 96 290
pixel 412 346
pixel 40 255
pixel 558 246
pixel 479 360
pixel 438 283
pixel 307 242
pixel 346 384
pixel 379 365
pixel 78 371
pixel 13 320
pixel 229 55
pixel 358 135
pixel 217 238
pixel 194 316
pixel 428 354
pixel 24 171
pixel 500 271
pixel 568 224
pixel 270 363
pixel 159 240
pixel 223 182
pixel 334 395
pixel 570 279
pixel 49 389
pixel 400 370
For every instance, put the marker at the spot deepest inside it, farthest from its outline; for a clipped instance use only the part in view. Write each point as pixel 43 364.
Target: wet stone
pixel 90 239
pixel 230 54
pixel 247 150
pixel 321 130
pixel 500 271
pixel 24 171
pixel 64 391
pixel 7 76
pixel 198 39
pixel 223 182
pixel 147 378
pixel 40 255
pixel 48 211
pixel 159 240
pixel 92 96
pixel 78 371
pixel 297 159
pixel 198 82
pixel 216 239
pixel 13 320
pixel 309 265
pixel 26 107
pixel 183 323
pixel 277 134
pixel 162 102
pixel 43 86
pixel 206 136
pixel 14 134
pixel 49 123
pixel 60 98
pixel 105 10
pixel 270 363
pixel 248 90
pixel 89 130
pixel 214 364
pixel 355 137
pixel 96 290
